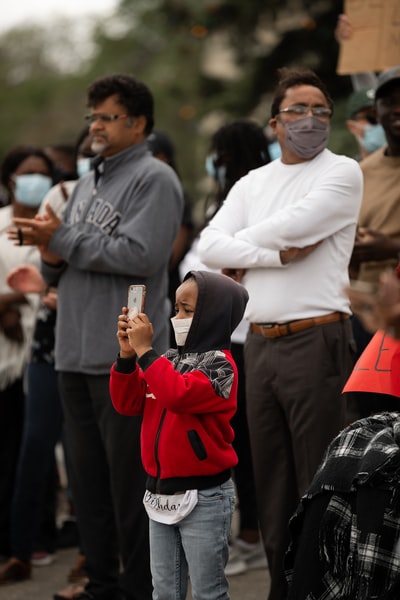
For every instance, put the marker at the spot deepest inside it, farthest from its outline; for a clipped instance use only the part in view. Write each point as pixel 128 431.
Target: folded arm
pixel 327 208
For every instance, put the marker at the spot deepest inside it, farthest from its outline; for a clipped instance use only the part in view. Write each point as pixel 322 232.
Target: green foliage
pixel 204 61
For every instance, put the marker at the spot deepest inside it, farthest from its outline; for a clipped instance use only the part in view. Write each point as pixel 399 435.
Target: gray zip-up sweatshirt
pixel 116 232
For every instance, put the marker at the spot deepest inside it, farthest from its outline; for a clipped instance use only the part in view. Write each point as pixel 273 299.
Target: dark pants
pixel 243 472
pixel 294 409
pixel 11 422
pixel 34 501
pixel 108 484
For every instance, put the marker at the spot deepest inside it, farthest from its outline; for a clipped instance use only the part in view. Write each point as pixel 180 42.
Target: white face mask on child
pixel 181 329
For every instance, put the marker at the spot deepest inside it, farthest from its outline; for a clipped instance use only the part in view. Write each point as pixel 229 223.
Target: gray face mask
pixel 306 137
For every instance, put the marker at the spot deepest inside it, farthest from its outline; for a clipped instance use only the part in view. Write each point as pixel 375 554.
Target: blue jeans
pixel 197 545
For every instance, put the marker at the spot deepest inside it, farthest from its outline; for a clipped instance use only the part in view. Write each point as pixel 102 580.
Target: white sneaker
pixel 252 554
pixel 235 565
pixel 42 559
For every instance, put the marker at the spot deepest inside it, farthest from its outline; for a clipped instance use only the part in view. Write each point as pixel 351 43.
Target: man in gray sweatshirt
pixel 117 230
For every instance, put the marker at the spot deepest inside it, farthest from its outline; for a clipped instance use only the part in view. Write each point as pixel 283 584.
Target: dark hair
pixel 289 78
pixel 132 94
pixel 81 139
pixel 159 143
pixel 15 157
pixel 240 146
pixel 63 157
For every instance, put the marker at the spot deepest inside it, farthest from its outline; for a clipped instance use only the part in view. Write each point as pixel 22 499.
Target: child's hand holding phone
pixel 125 348
pixel 140 334
pixel 135 332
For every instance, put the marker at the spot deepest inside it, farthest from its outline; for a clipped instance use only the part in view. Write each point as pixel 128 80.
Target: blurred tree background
pixel 206 62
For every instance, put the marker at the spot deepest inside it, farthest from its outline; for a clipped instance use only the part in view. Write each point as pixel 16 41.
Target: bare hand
pixel 126 350
pixel 371 244
pixel 140 334
pixel 36 232
pixel 379 309
pixel 364 305
pixel 50 299
pixel 344 30
pixel 26 279
pixel 389 303
pixel 293 254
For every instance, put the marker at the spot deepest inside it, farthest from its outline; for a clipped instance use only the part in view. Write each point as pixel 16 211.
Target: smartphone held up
pixel 136 300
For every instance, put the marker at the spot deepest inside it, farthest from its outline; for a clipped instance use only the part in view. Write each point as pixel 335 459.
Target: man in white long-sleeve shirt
pixel 290 225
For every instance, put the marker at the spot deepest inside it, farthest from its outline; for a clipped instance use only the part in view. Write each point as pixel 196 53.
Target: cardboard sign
pixel 378 368
pixel 375 43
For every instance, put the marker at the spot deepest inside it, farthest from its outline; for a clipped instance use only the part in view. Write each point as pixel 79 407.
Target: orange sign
pixel 378 368
pixel 375 42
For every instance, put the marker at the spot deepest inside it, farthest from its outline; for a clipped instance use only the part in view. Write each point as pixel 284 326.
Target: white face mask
pixel 181 329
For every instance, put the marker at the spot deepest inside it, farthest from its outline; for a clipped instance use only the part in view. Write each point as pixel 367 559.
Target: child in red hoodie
pixel 187 398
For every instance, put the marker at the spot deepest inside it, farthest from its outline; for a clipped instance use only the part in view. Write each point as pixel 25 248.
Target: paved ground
pixel 252 585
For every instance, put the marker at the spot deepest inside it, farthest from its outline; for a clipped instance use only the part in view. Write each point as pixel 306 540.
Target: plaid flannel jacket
pixel 350 516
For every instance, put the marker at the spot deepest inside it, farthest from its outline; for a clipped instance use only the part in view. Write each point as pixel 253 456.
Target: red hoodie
pixel 188 396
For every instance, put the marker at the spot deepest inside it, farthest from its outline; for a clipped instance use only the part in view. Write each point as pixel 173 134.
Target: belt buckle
pixel 268 327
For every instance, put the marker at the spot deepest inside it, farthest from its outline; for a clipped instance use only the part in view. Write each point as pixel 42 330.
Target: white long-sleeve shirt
pixel 280 206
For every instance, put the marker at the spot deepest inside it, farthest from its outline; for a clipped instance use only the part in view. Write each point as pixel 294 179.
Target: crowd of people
pixel 230 382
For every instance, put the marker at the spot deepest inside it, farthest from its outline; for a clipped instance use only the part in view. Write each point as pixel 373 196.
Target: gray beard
pixel 98 147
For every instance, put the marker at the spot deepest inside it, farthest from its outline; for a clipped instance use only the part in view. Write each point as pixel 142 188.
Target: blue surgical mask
pixel 83 166
pixel 274 150
pixel 30 189
pixel 217 173
pixel 373 138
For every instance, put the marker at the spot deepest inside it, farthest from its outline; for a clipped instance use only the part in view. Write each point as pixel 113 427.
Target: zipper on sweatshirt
pixel 156 450
pixel 164 412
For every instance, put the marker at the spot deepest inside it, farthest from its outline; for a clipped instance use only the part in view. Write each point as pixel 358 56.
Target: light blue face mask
pixel 274 150
pixel 217 173
pixel 373 138
pixel 30 189
pixel 83 166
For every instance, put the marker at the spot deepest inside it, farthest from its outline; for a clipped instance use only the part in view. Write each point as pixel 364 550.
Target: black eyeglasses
pixel 103 118
pixel 299 110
